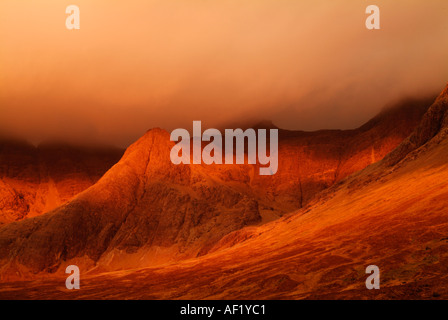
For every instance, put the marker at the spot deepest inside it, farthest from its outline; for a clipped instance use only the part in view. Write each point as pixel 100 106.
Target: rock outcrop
pixel 435 121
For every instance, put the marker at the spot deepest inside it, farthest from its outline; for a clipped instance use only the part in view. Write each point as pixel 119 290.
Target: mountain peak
pixel 444 93
pixel 153 136
pixel 156 133
pixel 265 124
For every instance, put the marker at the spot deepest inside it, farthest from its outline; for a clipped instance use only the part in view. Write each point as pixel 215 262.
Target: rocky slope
pixel 310 162
pixel 34 180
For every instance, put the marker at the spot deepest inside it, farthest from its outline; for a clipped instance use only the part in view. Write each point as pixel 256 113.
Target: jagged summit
pixel 155 132
pixel 444 93
pixel 265 124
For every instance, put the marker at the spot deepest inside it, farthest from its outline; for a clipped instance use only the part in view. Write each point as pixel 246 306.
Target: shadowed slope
pixel 36 180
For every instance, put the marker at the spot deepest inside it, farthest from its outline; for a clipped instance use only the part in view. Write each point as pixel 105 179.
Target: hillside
pixel 34 180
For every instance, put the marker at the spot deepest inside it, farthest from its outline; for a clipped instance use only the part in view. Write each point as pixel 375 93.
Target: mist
pixel 135 65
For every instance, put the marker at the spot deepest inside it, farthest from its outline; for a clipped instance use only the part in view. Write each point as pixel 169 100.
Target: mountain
pixel 392 214
pixel 34 180
pixel 146 211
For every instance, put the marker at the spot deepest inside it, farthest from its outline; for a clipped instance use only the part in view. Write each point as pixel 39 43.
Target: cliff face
pixel 434 122
pixel 310 162
pixel 145 210
pixel 34 180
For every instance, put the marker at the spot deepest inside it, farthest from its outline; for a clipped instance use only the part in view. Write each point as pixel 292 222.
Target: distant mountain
pixel 146 211
pixel 34 180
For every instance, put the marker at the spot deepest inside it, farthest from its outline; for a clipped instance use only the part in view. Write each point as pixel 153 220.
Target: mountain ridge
pixel 146 211
pixel 397 221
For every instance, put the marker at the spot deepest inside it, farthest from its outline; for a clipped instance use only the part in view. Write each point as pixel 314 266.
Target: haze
pixel 135 65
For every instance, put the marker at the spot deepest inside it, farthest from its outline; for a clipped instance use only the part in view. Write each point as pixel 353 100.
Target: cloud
pixel 139 64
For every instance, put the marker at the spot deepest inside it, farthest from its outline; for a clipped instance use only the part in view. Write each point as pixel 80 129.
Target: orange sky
pixel 135 64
